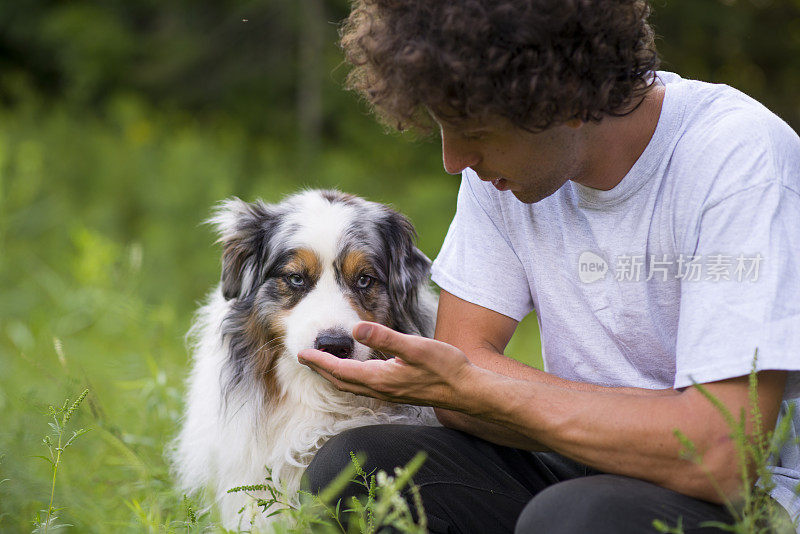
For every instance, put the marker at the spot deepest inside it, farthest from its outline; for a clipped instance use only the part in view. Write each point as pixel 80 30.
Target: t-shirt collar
pixel 645 167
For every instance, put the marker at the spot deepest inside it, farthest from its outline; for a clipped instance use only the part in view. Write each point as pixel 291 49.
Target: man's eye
pixel 364 281
pixel 296 280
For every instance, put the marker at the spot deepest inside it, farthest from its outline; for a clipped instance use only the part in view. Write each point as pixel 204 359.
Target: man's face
pixel 532 166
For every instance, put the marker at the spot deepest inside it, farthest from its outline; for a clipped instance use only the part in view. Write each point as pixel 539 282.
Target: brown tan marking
pixel 354 264
pixel 268 340
pixel 305 261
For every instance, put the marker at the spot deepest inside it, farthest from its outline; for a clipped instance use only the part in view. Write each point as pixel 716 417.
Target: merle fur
pixel 255 255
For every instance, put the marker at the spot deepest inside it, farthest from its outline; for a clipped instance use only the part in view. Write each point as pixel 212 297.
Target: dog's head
pixel 300 274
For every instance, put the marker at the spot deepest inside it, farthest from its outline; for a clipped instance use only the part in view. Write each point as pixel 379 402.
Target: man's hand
pixel 419 370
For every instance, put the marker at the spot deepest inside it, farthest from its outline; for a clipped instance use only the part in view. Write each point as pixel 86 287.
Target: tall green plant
pixel 2 481
pixel 382 507
pixel 756 512
pixel 57 442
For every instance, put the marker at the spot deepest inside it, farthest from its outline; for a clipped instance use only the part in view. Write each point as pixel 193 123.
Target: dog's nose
pixel 339 345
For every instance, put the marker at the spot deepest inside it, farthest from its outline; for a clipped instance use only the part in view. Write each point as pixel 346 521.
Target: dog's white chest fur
pixel 295 275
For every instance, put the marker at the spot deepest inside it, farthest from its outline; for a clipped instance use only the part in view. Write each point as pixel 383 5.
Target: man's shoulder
pixel 729 141
pixel 722 118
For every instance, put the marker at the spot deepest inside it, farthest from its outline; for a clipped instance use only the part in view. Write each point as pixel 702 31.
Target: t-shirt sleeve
pixel 477 262
pixel 748 297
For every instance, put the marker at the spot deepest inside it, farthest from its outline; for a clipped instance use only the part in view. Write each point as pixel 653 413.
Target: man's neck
pixel 616 143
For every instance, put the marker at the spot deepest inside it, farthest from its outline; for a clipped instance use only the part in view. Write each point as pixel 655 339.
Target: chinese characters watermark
pixel 662 267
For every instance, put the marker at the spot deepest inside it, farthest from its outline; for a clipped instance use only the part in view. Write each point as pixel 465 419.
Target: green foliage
pixel 753 45
pixel 101 248
pixel 245 59
pixel 663 527
pixel 57 442
pixel 103 259
pixel 384 506
pixel 121 124
pixel 755 512
pixel 2 481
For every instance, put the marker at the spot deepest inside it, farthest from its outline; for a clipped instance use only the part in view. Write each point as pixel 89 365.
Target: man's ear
pixel 244 230
pixel 408 271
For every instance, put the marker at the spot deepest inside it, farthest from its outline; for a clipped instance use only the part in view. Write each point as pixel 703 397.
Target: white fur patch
pixel 320 224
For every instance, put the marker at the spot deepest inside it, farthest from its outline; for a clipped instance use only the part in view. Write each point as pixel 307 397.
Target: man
pixel 650 221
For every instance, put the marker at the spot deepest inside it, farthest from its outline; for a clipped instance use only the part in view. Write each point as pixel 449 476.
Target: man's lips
pixel 501 184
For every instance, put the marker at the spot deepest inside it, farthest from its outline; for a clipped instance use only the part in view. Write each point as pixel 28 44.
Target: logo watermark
pixel 591 267
pixel 684 267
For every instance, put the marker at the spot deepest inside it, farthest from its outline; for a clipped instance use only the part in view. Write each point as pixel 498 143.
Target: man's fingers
pixel 345 375
pixel 388 341
pixel 350 387
pixel 337 368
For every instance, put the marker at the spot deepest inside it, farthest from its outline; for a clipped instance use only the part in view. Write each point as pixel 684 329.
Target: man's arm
pixel 634 435
pixel 482 335
pixel 613 431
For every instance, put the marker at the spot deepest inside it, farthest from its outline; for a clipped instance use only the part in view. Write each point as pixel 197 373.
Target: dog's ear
pixel 244 231
pixel 407 273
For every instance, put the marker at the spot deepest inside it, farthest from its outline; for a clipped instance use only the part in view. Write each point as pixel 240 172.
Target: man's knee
pixel 569 506
pixel 612 504
pixel 589 504
pixel 601 504
pixel 382 446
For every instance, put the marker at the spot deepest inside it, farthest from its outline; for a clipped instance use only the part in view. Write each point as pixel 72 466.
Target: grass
pixel 57 443
pixel 755 512
pixel 102 262
pixel 383 506
pixel 103 259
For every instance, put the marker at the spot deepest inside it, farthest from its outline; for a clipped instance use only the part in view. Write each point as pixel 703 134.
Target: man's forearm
pixel 498 363
pixel 492 360
pixel 489 431
pixel 493 432
pixel 626 434
pixel 483 346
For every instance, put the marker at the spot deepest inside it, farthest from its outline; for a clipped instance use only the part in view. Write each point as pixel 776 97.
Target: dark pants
pixel 470 485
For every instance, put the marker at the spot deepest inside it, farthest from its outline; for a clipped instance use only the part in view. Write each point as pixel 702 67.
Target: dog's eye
pixel 364 281
pixel 296 280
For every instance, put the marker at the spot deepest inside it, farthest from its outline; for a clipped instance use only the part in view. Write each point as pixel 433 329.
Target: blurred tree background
pixel 123 122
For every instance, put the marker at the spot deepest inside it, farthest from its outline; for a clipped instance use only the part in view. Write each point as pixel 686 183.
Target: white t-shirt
pixel 676 275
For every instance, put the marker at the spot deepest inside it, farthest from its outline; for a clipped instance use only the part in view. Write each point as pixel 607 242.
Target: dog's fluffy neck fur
pixel 228 442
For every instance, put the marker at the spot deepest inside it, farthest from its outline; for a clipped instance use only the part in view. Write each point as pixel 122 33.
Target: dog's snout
pixel 340 345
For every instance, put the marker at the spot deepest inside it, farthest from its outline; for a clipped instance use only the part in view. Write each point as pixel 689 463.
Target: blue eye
pixel 364 281
pixel 296 280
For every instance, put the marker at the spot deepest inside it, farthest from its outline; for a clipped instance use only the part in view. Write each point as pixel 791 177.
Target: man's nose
pixel 456 156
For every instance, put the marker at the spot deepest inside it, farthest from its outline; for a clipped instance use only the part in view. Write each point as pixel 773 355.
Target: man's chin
pixel 532 196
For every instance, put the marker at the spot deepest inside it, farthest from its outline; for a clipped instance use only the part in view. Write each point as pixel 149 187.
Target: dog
pixel 297 274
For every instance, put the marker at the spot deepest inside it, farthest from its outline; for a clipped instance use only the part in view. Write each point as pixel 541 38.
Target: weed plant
pixel 383 508
pixel 57 443
pixel 2 481
pixel 755 512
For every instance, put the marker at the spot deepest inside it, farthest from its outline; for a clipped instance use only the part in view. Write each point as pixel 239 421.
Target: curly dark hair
pixel 534 62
